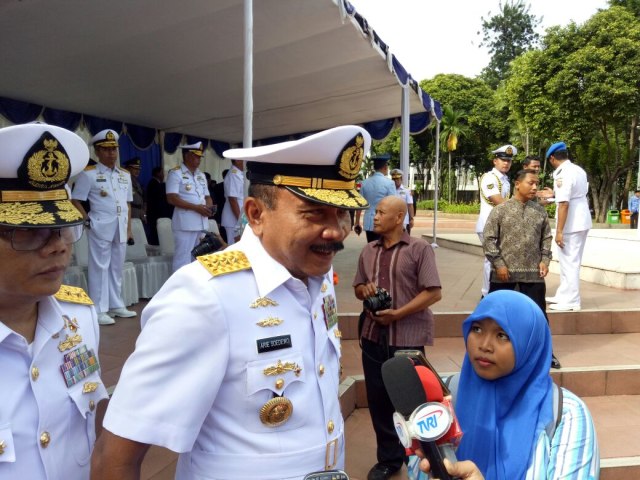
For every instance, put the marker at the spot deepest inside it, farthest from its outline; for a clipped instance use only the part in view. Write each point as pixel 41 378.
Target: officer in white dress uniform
pixel 494 189
pixel 405 194
pixel 109 191
pixel 234 194
pixel 188 192
pixel 237 366
pixel 573 222
pixel 50 380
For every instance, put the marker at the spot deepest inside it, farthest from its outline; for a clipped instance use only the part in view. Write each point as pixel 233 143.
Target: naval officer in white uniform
pixel 50 379
pixel 188 192
pixel 494 189
pixel 573 222
pixel 234 195
pixel 110 193
pixel 237 366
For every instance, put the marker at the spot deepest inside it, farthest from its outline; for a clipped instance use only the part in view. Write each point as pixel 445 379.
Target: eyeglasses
pixel 27 239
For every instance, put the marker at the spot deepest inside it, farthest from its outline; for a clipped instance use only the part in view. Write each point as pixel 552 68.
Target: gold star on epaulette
pixel 70 294
pixel 225 262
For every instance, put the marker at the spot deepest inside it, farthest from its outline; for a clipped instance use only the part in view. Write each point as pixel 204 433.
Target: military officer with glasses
pixel 49 334
pixel 109 191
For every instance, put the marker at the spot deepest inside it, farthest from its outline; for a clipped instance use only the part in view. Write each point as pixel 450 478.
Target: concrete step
pixel 449 324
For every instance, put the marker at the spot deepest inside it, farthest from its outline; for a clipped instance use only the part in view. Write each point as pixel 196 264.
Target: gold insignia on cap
pixel 48 165
pixel 269 321
pixel 225 262
pixel 263 302
pixel 110 136
pixel 89 387
pixel 280 368
pixel 335 197
pixel 276 411
pixel 21 213
pixel 69 342
pixel 70 294
pixel 67 212
pixel 509 151
pixel 351 158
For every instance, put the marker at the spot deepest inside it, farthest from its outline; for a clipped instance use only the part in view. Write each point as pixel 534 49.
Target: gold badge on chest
pixel 276 411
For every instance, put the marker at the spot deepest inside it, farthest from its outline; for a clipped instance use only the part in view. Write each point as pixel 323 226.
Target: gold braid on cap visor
pixel 304 182
pixel 32 196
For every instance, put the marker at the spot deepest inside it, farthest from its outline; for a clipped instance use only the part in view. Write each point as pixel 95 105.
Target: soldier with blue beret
pixel 237 366
pixel 48 331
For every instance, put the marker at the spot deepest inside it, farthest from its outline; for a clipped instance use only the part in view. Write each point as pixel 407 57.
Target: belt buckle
pixel 333 444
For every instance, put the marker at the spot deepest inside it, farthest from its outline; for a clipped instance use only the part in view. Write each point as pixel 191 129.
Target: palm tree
pixel 453 128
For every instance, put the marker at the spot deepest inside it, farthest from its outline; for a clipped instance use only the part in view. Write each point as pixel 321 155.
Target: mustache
pixel 328 247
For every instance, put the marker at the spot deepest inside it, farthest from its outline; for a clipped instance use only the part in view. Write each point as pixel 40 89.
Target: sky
pixel 430 37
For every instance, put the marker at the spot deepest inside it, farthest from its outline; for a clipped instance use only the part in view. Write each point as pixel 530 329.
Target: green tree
pixel 453 128
pixel 632 5
pixel 507 35
pixel 583 87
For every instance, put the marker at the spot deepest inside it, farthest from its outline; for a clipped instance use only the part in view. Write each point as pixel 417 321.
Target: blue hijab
pixel 503 418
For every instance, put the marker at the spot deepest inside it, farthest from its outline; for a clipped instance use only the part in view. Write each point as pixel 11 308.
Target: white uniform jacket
pixel 47 428
pixel 570 185
pixel 491 183
pixel 215 349
pixel 233 187
pixel 109 191
pixel 191 187
pixel 405 194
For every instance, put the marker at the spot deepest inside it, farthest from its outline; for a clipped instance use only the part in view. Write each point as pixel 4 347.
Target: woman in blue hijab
pixel 505 399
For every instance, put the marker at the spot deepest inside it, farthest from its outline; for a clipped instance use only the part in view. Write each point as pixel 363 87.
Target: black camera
pixel 380 301
pixel 209 244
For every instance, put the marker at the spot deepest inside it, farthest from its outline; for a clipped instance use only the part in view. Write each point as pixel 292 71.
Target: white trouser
pixel 184 241
pixel 486 269
pixel 570 258
pixel 231 235
pixel 106 259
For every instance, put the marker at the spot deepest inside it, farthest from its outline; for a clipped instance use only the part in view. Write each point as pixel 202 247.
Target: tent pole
pixel 434 244
pixel 404 138
pixel 247 138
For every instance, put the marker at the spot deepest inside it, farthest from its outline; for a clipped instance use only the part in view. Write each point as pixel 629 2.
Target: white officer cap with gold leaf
pixel 36 161
pixel 195 148
pixel 505 151
pixel 321 168
pixel 105 138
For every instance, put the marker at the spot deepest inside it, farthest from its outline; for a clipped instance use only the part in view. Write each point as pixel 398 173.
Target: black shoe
pixel 555 363
pixel 381 472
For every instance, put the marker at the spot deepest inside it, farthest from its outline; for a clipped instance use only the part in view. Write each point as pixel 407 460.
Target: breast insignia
pixel 225 262
pixel 70 294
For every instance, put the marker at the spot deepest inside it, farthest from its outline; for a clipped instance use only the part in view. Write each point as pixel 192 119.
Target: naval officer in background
pixel 50 380
pixel 237 366
pixel 494 190
pixel 573 222
pixel 188 192
pixel 110 193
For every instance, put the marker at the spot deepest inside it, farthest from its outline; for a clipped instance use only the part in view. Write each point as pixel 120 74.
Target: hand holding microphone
pixel 416 393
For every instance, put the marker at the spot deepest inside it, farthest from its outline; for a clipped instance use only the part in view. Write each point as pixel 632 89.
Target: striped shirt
pixel 404 270
pixel 572 453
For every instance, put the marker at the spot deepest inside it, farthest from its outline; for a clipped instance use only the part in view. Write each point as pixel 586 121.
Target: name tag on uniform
pixel 101 179
pixel 274 343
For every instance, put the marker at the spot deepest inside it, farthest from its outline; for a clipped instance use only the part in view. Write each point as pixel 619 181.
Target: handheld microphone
pixel 416 415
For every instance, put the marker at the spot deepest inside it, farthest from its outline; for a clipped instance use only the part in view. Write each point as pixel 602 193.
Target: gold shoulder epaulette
pixel 225 262
pixel 89 167
pixel 174 168
pixel 70 294
pixel 123 170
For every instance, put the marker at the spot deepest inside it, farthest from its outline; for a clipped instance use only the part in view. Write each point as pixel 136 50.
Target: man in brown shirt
pixel 517 243
pixel 405 267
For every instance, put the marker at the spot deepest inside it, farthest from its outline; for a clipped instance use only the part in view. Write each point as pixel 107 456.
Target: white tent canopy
pixel 177 66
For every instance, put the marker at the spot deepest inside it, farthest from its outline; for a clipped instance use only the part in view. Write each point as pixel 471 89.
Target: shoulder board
pixel 225 262
pixel 70 294
pixel 89 167
pixel 122 170
pixel 174 168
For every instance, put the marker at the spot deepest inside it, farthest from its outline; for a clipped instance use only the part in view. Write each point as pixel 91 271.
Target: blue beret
pixel 558 146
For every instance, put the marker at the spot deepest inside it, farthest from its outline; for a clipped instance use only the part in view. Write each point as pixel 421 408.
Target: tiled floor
pixel 618 417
